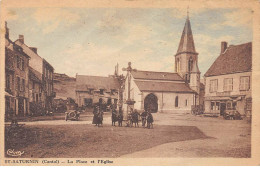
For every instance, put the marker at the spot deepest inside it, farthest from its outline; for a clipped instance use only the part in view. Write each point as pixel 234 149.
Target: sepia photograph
pixel 111 82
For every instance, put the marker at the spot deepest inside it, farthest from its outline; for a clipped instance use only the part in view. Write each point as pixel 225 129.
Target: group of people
pixel 147 117
pixel 117 116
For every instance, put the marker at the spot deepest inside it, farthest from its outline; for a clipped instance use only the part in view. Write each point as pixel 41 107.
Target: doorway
pixel 151 103
pixel 222 108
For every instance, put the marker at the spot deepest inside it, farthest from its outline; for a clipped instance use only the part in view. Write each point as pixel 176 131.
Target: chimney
pixel 34 49
pixel 223 46
pixel 6 31
pixel 21 38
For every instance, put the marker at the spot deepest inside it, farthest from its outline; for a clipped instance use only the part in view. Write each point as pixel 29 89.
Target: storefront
pixel 218 105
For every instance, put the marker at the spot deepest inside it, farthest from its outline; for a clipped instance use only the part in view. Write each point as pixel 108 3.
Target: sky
pixel 91 41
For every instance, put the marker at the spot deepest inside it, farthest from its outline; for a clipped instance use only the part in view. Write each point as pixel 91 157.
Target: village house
pixel 35 92
pixel 16 78
pixel 91 90
pixel 41 77
pixel 175 92
pixel 229 79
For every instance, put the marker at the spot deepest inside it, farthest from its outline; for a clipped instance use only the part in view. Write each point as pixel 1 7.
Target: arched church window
pixel 190 64
pixel 176 101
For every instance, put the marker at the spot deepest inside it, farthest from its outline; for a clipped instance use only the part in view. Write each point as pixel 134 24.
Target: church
pixel 176 91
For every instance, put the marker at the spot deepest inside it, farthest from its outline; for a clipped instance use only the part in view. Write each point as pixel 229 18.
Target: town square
pixel 128 83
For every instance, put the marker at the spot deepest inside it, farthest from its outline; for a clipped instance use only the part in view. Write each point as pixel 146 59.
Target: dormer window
pixel 101 91
pixel 90 91
pixel 112 91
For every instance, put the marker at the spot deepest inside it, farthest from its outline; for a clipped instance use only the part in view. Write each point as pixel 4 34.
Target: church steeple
pixel 186 58
pixel 186 43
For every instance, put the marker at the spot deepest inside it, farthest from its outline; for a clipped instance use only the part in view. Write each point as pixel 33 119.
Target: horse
pixel 149 121
pixel 135 118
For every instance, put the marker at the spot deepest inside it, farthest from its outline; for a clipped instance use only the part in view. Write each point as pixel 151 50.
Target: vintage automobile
pixel 72 115
pixel 72 112
pixel 232 114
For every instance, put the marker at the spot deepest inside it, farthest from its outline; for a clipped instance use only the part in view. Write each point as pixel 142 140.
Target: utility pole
pixel 129 69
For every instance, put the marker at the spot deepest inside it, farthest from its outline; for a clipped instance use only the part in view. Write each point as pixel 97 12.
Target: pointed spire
pixel 186 42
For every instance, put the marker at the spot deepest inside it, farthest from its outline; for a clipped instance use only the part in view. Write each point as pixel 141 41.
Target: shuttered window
pixel 213 85
pixel 228 84
pixel 244 83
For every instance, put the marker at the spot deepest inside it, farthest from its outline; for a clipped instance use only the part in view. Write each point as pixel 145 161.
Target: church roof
pixel 84 83
pixel 154 86
pixel 186 43
pixel 236 58
pixel 150 75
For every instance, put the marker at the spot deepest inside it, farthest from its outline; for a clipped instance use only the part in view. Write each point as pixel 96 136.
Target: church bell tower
pixel 186 58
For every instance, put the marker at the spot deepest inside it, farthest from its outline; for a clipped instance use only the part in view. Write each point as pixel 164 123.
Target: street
pixel 174 135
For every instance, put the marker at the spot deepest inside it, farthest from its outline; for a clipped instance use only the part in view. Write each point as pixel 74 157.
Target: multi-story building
pixel 43 70
pixel 229 79
pixel 16 74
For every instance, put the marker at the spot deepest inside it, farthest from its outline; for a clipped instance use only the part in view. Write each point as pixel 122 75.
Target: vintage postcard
pixel 130 82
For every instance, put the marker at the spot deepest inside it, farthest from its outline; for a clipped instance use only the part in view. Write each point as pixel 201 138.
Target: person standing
pixel 143 116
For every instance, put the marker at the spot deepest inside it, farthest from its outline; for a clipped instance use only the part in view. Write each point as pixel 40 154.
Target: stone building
pixel 92 90
pixel 16 78
pixel 229 79
pixel 43 71
pixel 167 91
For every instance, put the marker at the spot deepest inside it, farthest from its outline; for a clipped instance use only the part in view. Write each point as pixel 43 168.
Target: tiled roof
pixel 154 86
pixel 149 75
pixel 186 43
pixel 84 83
pixel 34 75
pixel 237 58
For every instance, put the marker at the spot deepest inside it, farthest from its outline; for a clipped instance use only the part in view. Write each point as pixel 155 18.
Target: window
pixel 18 61
pixel 8 82
pixel 212 105
pixel 186 102
pixel 244 83
pixel 213 85
pixel 190 64
pixel 40 96
pixel 176 101
pixel 228 84
pixel 18 84
pixel 23 85
pixel 37 98
pixel 112 91
pixel 22 64
pixel 217 105
pixel 101 91
pixel 178 65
